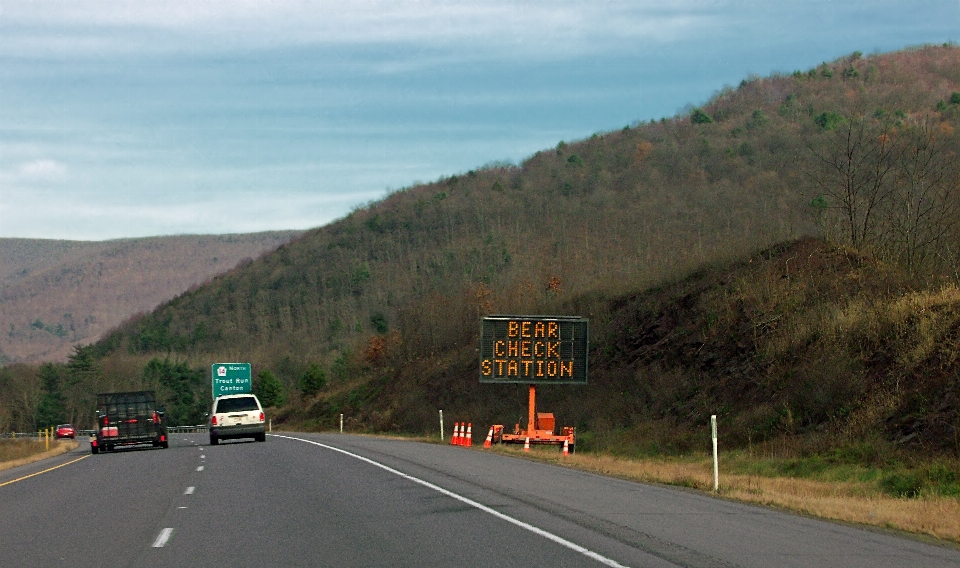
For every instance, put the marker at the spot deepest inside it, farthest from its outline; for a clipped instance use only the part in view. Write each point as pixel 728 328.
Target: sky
pixel 124 119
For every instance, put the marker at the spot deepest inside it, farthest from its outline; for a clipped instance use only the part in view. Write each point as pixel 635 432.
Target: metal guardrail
pixel 25 435
pixel 39 435
pixel 19 435
pixel 187 429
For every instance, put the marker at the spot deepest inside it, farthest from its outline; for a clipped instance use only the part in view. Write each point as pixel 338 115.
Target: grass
pixel 17 452
pixel 838 491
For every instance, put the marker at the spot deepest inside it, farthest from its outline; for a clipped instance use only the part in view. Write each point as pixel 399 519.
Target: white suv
pixel 237 416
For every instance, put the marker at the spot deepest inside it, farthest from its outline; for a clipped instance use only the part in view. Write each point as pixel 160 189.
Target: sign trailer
pixel 534 350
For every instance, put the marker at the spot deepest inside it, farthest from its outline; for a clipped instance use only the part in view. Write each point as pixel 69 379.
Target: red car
pixel 65 431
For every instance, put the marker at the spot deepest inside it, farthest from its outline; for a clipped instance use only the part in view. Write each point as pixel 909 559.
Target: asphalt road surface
pixel 342 501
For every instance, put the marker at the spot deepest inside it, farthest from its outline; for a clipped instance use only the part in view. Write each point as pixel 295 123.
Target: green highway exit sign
pixel 231 378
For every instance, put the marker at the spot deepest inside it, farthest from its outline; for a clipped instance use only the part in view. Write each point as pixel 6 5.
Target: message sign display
pixel 231 378
pixel 533 349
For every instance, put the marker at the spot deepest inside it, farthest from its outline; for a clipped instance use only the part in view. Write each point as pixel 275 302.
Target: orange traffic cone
pixel 489 440
pixel 453 439
pixel 566 449
pixel 526 444
pixel 469 440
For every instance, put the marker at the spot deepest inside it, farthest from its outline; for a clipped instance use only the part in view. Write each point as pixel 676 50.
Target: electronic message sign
pixel 230 378
pixel 533 349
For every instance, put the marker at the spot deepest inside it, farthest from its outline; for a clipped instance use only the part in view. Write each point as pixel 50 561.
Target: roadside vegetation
pixel 784 256
pixel 817 486
pixel 17 452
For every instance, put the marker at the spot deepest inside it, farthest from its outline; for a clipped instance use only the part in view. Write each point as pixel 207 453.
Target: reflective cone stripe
pixel 566 448
pixel 453 439
pixel 526 444
pixel 489 440
pixel 469 441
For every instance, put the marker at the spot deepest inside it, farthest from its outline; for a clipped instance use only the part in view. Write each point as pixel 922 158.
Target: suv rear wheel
pixel 213 440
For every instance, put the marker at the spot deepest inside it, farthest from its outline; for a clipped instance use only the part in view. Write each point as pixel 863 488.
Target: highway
pixel 341 501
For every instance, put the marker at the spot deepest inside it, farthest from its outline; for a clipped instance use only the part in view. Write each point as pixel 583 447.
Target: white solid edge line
pixel 162 538
pixel 536 530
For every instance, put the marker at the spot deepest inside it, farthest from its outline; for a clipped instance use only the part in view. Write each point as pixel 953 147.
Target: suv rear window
pixel 243 404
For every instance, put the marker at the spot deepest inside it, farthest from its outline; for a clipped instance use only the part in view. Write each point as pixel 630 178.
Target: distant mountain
pixel 56 294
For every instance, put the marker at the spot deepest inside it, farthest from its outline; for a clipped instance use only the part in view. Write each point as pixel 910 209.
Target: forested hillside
pixel 57 294
pixel 652 232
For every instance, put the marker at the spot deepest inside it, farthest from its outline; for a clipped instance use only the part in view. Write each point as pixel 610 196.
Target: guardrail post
pixel 716 471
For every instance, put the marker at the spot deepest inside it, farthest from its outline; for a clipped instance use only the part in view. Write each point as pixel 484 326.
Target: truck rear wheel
pixel 94 450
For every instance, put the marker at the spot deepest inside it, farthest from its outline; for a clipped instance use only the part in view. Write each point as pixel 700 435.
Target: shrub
pixel 908 484
pixel 828 120
pixel 379 322
pixel 700 117
pixel 312 380
pixel 269 389
pixel 955 99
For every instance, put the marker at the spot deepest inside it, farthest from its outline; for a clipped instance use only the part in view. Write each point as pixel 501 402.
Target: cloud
pixel 91 217
pixel 491 27
pixel 43 170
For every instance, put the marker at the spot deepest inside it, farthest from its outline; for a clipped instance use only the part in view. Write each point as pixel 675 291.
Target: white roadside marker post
pixel 441 425
pixel 341 423
pixel 716 471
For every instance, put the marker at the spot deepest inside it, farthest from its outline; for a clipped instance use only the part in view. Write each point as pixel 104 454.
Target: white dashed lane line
pixel 200 468
pixel 162 538
pixel 189 490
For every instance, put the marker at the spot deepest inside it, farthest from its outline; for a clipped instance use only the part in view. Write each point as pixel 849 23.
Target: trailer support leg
pixel 532 411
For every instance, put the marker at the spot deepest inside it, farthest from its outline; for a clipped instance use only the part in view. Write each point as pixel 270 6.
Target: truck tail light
pixel 261 417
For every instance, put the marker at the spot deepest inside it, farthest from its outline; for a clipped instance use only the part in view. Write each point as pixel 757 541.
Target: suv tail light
pixel 261 417
pixel 213 419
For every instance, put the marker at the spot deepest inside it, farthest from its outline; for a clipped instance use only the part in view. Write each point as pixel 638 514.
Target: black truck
pixel 128 419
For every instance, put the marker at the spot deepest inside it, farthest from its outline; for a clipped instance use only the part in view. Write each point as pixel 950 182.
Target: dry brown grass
pixel 14 453
pixel 860 503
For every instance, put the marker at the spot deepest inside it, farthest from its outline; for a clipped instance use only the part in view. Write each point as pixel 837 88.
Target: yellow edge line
pixel 44 471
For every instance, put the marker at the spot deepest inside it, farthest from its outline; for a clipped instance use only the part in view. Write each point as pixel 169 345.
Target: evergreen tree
pixel 50 410
pixel 312 380
pixel 179 390
pixel 269 389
